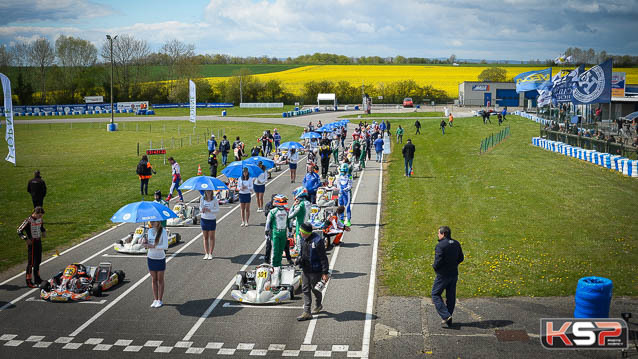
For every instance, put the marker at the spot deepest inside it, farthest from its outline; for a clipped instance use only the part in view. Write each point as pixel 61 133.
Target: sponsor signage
pixel 572 333
pixel 533 80
pixel 93 99
pixel 480 87
pixel 161 151
pixel 618 80
pixel 593 85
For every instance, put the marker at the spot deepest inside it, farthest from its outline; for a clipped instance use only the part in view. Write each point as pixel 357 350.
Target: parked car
pixel 407 102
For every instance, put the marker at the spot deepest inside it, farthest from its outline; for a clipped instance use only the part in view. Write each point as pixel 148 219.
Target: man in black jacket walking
pixel 408 157
pixel 37 188
pixel 314 264
pixel 448 256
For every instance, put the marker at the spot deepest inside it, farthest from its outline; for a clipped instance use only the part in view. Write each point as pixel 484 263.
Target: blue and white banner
pixel 533 80
pixel 593 85
pixel 8 116
pixel 193 100
pixel 562 90
pixel 544 98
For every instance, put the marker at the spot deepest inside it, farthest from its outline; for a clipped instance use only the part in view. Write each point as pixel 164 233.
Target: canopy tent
pixel 327 97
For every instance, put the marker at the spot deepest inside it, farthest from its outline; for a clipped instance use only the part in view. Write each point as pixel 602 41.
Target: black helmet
pixel 158 193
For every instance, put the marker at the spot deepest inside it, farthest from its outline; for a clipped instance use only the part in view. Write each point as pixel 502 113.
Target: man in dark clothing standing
pixel 408 157
pixel 212 163
pixel 32 231
pixel 448 255
pixel 314 264
pixel 37 188
pixel 417 124
pixel 224 147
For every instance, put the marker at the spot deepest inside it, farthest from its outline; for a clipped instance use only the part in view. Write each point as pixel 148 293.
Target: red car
pixel 407 102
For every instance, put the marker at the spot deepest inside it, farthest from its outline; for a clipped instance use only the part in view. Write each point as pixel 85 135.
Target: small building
pixel 476 93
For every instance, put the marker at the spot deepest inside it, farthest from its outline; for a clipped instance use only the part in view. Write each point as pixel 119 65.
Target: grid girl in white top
pixel 208 207
pixel 260 186
pixel 245 185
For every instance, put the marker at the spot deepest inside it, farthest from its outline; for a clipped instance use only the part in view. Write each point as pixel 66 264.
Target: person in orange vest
pixel 335 228
pixel 144 171
pixel 451 119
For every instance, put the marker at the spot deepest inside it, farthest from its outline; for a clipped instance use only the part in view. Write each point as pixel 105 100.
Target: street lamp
pixel 108 37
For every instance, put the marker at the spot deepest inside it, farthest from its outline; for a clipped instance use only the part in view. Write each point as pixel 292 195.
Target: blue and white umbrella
pixel 235 169
pixel 324 129
pixel 204 183
pixel 267 162
pixel 143 211
pixel 310 135
pixel 290 145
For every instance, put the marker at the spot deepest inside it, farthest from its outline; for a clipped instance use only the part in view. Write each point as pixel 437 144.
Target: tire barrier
pixel 494 139
pixel 613 162
pixel 593 297
pixel 307 111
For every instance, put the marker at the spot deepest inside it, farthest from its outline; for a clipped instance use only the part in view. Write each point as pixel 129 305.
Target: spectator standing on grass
pixel 378 147
pixel 450 119
pixel 314 265
pixel 212 162
pixel 408 157
pixel 504 113
pixel 212 144
pixel 156 260
pixel 32 231
pixel 176 179
pixel 417 124
pixel 37 189
pixel 399 134
pixel 208 207
pixel 500 119
pixel 448 254
pixel 224 148
pixel 144 172
pixel 382 127
pixel 443 124
pixel 387 125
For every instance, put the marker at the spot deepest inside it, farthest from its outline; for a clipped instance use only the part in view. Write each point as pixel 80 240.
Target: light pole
pixel 108 37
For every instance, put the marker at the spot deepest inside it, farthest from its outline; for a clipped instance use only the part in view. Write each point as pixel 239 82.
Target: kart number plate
pixel 261 274
pixel 139 231
pixel 315 210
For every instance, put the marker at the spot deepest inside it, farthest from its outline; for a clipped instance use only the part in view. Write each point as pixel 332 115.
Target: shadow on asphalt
pixel 2 304
pixel 365 225
pixel 347 316
pixel 353 245
pixel 11 287
pixel 484 324
pixel 240 259
pixel 346 275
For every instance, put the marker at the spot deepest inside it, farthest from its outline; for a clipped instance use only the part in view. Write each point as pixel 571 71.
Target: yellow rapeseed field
pixel 446 78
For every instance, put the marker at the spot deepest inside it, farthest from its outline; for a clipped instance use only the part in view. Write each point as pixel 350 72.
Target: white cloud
pixel 50 10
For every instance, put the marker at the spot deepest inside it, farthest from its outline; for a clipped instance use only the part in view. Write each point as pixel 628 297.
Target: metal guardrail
pixel 590 143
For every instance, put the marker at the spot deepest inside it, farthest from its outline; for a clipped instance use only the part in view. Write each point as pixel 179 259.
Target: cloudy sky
pixel 485 29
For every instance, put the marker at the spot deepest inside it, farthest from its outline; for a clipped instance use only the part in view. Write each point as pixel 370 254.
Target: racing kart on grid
pixel 266 284
pixel 186 214
pixel 78 282
pixel 134 243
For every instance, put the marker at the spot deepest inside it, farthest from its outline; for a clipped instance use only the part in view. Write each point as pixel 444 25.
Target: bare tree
pixel 20 54
pixel 75 55
pixel 5 56
pixel 42 55
pixel 177 55
pixel 130 56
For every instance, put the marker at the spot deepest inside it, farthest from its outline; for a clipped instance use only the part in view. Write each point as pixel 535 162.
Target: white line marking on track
pixel 313 322
pixel 127 255
pixel 13 302
pixel 228 305
pixel 137 284
pixel 365 347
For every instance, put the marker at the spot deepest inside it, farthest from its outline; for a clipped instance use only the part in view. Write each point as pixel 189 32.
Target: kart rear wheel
pixel 178 238
pixel 194 220
pixel 291 289
pixel 244 279
pixel 120 275
pixel 96 291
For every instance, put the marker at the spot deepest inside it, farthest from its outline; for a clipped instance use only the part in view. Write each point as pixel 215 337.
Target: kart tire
pixel 234 287
pixel 178 238
pixel 96 291
pixel 120 275
pixel 194 220
pixel 45 285
pixel 291 290
pixel 244 279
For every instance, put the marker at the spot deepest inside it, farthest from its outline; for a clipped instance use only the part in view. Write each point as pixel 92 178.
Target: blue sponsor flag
pixel 562 89
pixel 533 80
pixel 593 85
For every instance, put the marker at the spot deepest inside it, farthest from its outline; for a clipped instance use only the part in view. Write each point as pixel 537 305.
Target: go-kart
pixel 134 243
pixel 279 161
pixel 186 214
pixel 266 284
pixel 328 195
pixel 78 282
pixel 317 217
pixel 231 195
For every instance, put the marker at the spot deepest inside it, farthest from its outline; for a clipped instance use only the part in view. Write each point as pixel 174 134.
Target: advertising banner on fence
pixel 618 84
pixel 562 90
pixel 8 116
pixel 593 85
pixel 193 101
pixel 533 80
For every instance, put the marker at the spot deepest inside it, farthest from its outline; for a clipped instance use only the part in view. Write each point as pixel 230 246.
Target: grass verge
pixel 90 173
pixel 531 222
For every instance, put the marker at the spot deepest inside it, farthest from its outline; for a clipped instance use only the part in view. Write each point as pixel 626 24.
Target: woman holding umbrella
pixel 260 186
pixel 245 185
pixel 208 207
pixel 156 259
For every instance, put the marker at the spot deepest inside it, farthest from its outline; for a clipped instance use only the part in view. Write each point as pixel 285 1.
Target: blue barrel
pixel 593 297
pixel 224 113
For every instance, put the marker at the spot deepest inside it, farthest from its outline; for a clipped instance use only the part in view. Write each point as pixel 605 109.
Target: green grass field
pixel 90 173
pixel 397 114
pixel 531 222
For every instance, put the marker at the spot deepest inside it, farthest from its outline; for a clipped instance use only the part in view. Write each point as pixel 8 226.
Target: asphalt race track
pixel 199 316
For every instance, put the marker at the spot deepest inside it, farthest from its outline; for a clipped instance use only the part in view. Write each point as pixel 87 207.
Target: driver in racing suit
pixel 334 228
pixel 277 225
pixel 160 200
pixel 300 211
pixel 344 183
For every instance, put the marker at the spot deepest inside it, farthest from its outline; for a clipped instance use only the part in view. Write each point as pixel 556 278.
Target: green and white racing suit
pixel 277 224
